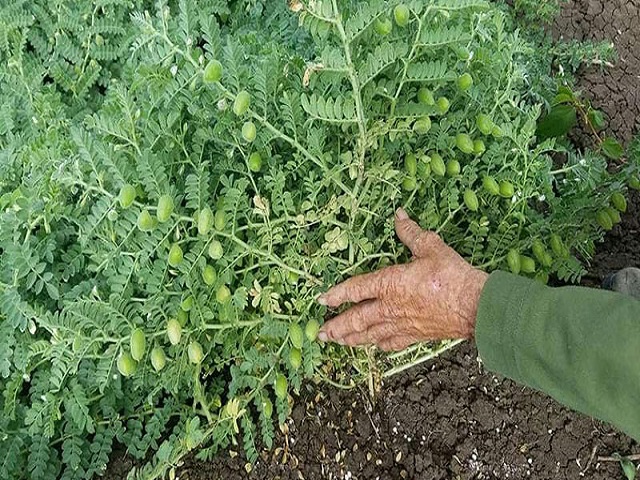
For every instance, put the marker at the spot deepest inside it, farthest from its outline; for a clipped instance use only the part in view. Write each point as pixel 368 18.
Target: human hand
pixel 434 297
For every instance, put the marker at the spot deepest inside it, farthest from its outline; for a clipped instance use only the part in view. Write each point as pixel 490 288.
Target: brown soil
pixel 450 419
pixel 615 90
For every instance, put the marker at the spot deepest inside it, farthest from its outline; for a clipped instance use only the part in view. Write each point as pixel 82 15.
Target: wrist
pixel 474 285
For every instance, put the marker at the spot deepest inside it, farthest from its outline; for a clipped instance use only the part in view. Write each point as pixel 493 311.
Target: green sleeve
pixel 580 346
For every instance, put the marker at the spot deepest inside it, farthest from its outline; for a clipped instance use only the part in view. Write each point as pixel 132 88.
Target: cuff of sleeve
pixel 499 319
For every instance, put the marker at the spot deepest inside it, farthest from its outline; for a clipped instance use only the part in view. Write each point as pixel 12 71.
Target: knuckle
pixel 416 237
pixel 378 332
pixel 383 281
pixel 424 240
pixel 362 316
pixel 431 239
pixel 355 321
pixel 329 329
pixel 349 288
pixel 389 310
pixel 395 279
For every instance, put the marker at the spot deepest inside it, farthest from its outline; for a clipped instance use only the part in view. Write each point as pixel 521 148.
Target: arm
pixel 580 346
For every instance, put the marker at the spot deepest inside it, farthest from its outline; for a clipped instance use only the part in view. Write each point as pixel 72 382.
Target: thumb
pixel 419 241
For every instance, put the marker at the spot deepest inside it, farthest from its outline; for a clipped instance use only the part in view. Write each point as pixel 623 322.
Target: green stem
pixel 404 353
pixel 275 260
pixel 560 171
pixel 366 259
pixel 326 379
pixel 424 358
pixel 448 219
pixel 200 397
pixel 357 95
pixel 227 326
pixel 407 62
pixel 353 78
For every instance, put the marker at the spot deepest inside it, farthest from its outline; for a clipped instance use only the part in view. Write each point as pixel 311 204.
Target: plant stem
pixel 424 358
pixel 341 386
pixel 631 458
pixel 271 257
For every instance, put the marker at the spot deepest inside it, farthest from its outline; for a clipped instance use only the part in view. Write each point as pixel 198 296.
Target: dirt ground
pixel 450 419
pixel 616 90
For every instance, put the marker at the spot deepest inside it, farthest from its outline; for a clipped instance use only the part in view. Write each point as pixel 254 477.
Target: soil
pixel 450 419
pixel 614 90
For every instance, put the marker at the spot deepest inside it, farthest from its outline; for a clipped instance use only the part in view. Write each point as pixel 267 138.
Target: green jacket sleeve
pixel 580 346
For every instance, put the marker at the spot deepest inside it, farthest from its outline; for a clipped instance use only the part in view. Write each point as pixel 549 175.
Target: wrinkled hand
pixel 434 297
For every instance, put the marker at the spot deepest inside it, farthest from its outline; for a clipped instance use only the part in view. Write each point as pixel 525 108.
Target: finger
pixel 372 335
pixel 360 288
pixel 396 343
pixel 419 241
pixel 355 320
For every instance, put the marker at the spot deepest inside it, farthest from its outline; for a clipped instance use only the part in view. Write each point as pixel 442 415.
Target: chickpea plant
pixel 180 180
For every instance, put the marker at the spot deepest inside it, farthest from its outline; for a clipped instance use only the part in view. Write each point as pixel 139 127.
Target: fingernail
pixel 322 336
pixel 322 300
pixel 401 214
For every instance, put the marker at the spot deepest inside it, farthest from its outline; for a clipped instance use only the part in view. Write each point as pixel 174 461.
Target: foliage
pixel 98 97
pixel 543 11
pixel 563 115
pixel 626 464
